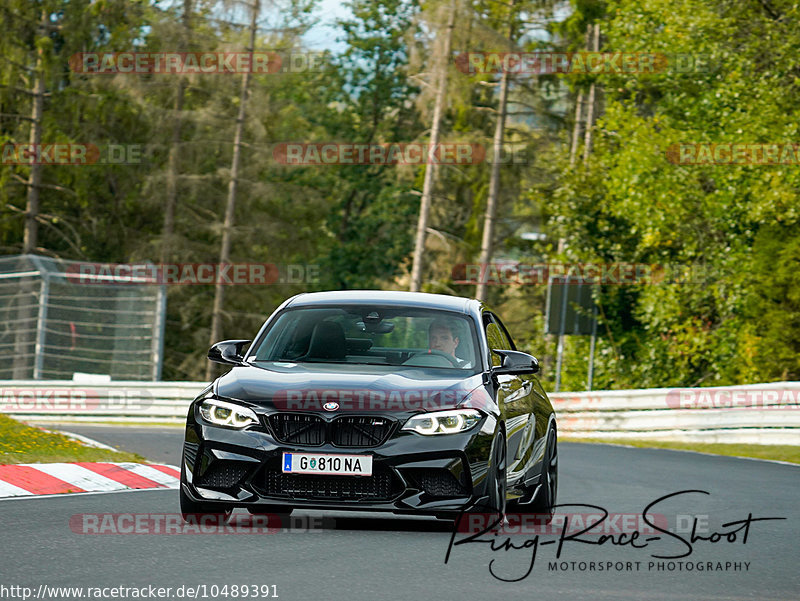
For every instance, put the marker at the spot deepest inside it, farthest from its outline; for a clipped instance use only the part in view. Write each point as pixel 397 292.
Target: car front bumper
pixel 412 473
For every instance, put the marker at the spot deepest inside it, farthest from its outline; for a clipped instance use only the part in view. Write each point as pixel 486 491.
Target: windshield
pixel 371 335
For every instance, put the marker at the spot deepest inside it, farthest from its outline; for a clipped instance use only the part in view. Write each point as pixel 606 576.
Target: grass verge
pixel 787 453
pixel 25 444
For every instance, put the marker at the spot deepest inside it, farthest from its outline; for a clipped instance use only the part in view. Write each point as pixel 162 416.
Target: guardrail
pixel 65 400
pixel 748 414
pixel 755 413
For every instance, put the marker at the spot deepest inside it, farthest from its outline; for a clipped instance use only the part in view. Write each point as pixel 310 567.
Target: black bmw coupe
pixel 372 400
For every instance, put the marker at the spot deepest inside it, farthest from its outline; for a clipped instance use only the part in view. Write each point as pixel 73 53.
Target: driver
pixel 442 337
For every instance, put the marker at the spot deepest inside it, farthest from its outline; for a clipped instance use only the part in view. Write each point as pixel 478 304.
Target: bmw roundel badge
pixel 332 406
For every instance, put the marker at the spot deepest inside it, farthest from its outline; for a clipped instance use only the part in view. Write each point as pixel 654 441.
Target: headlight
pixel 230 415
pixel 443 422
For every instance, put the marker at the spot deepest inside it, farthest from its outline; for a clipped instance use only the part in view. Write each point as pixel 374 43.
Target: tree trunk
pixel 225 250
pixel 494 180
pixel 30 236
pixel 24 339
pixel 430 170
pixel 590 110
pixel 167 246
pixel 576 128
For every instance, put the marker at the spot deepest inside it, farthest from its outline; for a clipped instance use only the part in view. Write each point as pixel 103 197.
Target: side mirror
pixel 228 352
pixel 515 363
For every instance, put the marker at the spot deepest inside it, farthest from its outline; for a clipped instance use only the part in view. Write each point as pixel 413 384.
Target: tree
pixel 233 184
pixel 494 180
pixel 707 225
pixel 442 60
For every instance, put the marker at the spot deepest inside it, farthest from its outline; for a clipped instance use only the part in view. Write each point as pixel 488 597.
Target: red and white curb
pixel 55 478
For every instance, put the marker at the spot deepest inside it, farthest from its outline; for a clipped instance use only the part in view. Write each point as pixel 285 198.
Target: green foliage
pixel 728 312
pixel 733 319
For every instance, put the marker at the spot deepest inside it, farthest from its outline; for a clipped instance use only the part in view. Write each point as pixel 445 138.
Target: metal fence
pixel 53 324
pixel 758 414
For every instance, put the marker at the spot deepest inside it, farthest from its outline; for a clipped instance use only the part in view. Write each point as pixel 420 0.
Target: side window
pixel 506 336
pixel 496 337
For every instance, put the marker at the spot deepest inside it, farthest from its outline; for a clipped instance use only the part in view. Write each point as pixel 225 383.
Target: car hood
pixel 321 387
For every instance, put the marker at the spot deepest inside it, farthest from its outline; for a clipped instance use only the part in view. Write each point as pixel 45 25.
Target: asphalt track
pixel 374 557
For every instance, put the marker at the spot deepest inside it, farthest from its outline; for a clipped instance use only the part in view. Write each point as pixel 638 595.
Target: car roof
pixel 385 297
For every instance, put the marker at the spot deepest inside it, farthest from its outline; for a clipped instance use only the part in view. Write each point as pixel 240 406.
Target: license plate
pixel 317 463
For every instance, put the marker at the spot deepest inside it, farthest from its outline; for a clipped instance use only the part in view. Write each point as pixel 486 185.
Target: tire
pixel 548 492
pixel 192 511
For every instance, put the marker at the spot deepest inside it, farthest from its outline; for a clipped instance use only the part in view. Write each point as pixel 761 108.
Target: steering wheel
pixel 453 361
